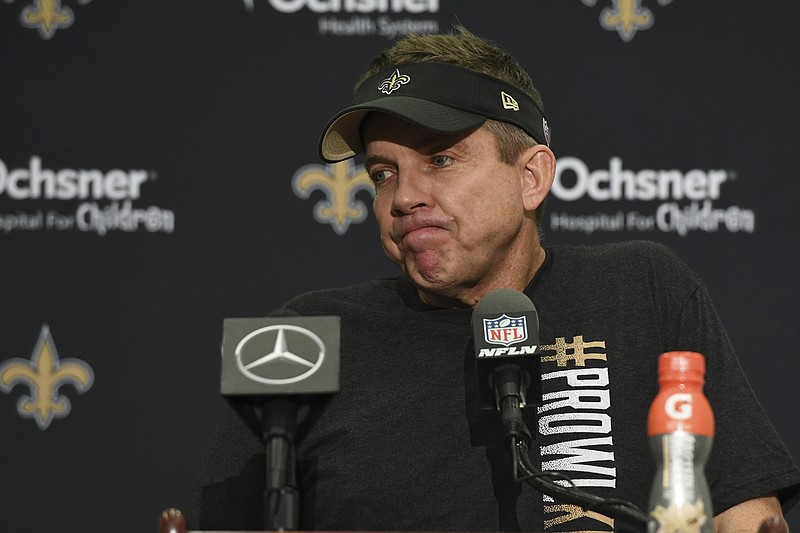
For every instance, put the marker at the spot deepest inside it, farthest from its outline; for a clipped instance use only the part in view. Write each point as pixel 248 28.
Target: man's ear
pixel 538 174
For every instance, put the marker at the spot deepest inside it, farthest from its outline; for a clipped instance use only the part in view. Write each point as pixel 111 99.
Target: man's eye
pixel 379 176
pixel 441 160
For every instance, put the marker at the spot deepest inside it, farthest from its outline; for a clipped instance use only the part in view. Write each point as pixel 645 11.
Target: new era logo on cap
pixel 508 101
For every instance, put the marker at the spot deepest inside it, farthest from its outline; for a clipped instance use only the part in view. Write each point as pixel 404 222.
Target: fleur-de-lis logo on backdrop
pixel 47 16
pixel 340 182
pixel 44 374
pixel 626 17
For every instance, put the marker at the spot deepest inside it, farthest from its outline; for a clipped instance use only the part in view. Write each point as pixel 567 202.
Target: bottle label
pixel 680 410
pixel 679 500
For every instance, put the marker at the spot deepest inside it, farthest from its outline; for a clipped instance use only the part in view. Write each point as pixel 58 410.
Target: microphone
pixel 269 367
pixel 505 329
pixel 506 332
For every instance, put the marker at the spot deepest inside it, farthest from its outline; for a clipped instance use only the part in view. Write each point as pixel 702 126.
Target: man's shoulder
pixel 618 250
pixel 629 262
pixel 619 256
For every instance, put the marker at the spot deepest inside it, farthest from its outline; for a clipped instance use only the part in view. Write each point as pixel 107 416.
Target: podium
pixel 173 521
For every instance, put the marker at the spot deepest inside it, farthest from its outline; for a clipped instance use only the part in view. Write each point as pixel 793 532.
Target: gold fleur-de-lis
pixel 47 16
pixel 340 182
pixel 627 17
pixel 393 82
pixel 44 374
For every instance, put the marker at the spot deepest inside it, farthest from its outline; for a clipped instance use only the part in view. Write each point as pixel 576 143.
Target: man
pixel 456 142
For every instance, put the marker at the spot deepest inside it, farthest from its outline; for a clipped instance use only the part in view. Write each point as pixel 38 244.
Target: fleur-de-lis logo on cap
pixel 44 374
pixel 393 82
pixel 340 182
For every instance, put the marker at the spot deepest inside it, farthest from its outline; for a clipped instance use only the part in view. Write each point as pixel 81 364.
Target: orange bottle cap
pixel 690 366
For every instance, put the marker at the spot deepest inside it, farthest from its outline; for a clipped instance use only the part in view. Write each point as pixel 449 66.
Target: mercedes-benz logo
pixel 281 365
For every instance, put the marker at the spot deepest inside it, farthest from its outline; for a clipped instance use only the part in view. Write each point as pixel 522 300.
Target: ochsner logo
pixel 354 18
pixel 68 184
pixel 107 200
pixel 617 183
pixel 357 6
pixel 687 199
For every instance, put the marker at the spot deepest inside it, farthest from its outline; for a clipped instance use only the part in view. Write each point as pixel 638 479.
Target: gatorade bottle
pixel 680 427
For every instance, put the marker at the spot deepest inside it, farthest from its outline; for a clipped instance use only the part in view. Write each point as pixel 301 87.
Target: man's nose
pixel 412 192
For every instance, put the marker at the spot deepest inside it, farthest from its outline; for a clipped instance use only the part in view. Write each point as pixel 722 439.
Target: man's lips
pixel 404 227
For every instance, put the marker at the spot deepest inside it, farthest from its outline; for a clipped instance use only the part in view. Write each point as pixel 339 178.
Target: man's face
pixel 450 213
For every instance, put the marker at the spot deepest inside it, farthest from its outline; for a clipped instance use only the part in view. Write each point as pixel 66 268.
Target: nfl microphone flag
pixel 506 331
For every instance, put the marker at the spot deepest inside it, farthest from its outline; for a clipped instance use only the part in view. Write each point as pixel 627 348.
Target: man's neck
pixel 518 279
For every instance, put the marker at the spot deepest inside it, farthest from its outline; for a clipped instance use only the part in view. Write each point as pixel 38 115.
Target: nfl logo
pixel 505 330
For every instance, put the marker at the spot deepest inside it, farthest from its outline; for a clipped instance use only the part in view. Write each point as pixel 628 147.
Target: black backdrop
pixel 149 150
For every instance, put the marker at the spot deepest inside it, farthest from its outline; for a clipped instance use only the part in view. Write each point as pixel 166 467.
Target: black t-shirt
pixel 405 445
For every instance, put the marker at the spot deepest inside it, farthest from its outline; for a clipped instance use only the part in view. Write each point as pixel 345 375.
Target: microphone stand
pixel 509 382
pixel 281 497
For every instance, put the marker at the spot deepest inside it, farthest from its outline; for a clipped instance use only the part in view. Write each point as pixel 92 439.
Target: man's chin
pixel 424 275
pixel 436 283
